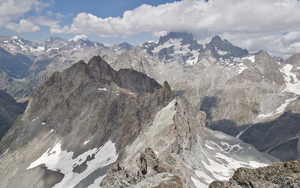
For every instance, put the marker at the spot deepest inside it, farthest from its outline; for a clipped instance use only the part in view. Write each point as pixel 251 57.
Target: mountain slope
pixel 9 111
pixel 80 110
pixel 89 116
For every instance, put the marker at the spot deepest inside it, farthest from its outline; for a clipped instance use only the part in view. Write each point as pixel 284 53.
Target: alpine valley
pixel 172 113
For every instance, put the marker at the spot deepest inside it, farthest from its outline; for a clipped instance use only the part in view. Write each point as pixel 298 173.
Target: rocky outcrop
pixel 156 157
pixel 176 150
pixel 148 167
pixel 283 174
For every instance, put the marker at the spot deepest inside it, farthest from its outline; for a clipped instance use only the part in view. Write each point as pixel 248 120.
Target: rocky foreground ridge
pixel 283 174
pixel 90 125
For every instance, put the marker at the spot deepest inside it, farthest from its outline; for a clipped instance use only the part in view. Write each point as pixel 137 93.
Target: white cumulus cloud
pixel 23 26
pixel 264 20
pixel 12 14
pixel 77 37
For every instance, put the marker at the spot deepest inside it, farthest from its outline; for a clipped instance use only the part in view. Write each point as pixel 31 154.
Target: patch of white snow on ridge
pixel 194 59
pixel 292 83
pixel 198 183
pixel 279 110
pixel 102 89
pixel 169 43
pixel 251 58
pixel 220 52
pixel 241 68
pixel 204 177
pixel 38 49
pixel 86 142
pixel 231 148
pixel 222 166
pixel 4 153
pixel 56 159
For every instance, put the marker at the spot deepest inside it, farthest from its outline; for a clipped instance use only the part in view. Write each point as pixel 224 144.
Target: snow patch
pixel 220 52
pixel 231 148
pixel 292 83
pixel 38 49
pixel 279 110
pixel 102 89
pixel 204 177
pixel 223 166
pixel 4 153
pixel 251 58
pixel 169 43
pixel 86 142
pixel 56 159
pixel 198 183
pixel 241 68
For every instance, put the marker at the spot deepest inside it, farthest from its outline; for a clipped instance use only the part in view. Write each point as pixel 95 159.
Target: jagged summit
pixel 125 46
pixel 225 48
pixel 187 38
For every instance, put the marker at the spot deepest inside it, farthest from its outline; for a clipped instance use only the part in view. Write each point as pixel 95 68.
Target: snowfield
pixel 56 159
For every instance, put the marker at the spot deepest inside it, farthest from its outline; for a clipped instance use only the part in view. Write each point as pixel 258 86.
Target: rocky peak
pixel 269 68
pixel 125 46
pixel 86 42
pixel 137 81
pixel 187 38
pixel 294 60
pixel 167 92
pixel 225 48
pixel 102 70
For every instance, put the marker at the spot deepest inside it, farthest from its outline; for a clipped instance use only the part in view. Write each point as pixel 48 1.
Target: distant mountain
pixel 239 91
pixel 35 63
pixel 236 89
pixel 224 49
pixel 9 111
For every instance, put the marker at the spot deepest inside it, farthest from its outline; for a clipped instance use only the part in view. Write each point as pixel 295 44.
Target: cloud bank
pixel 272 25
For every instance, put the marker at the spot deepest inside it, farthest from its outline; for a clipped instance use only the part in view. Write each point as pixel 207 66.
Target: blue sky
pixel 271 25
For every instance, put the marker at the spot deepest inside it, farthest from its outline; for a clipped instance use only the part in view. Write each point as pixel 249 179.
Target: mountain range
pixel 112 110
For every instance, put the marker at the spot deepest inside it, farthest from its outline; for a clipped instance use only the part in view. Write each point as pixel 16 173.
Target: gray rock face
pixel 176 150
pixel 9 111
pixel 217 44
pixel 277 175
pixel 76 112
